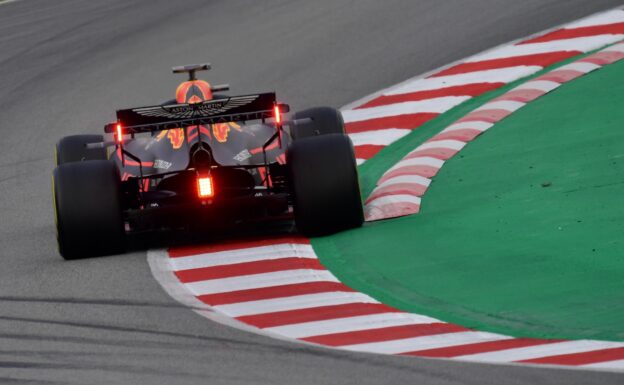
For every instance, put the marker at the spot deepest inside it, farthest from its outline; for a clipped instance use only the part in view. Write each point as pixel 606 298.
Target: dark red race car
pixel 205 161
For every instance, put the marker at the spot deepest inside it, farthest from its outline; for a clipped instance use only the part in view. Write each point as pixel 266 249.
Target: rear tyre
pixel 324 183
pixel 87 202
pixel 324 121
pixel 73 149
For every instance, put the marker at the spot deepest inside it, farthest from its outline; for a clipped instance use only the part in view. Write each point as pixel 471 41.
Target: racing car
pixel 204 160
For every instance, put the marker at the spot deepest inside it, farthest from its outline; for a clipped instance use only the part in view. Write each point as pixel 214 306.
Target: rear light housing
pixel 205 188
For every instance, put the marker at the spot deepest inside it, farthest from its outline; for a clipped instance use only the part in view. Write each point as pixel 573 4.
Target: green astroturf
pixel 520 233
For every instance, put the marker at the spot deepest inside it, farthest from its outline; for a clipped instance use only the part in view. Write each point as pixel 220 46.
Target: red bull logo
pixel 221 131
pixel 175 136
pixel 194 91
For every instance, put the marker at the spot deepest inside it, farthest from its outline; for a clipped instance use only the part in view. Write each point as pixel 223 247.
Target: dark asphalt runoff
pixel 65 66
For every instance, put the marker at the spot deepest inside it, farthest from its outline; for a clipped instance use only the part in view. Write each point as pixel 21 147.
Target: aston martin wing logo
pixel 199 110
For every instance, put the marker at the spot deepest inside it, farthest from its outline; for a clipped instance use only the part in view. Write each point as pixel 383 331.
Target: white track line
pixel 427 342
pixel 294 303
pixel 616 48
pixel 256 281
pixel 617 364
pixel 444 143
pixel 501 75
pixel 583 67
pixel 418 161
pixel 243 255
pixel 540 351
pixel 392 199
pixel 435 105
pixel 350 324
pixel 475 125
pixel 542 85
pixel 507 105
pixel 412 179
pixel 378 137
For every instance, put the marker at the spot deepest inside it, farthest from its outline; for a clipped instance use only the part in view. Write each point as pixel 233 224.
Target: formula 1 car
pixel 204 161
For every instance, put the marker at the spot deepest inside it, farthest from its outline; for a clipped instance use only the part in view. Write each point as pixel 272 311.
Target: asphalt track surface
pixel 66 65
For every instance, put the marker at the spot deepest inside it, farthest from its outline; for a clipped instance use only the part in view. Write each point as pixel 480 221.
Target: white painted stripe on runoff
pixel 499 75
pixel 378 137
pixel 507 105
pixel 539 351
pixel 583 67
pixel 541 85
pixel 472 125
pixel 256 281
pixel 418 161
pixel 350 324
pixel 160 268
pixel 426 342
pixel 294 303
pixel 220 258
pixel 581 44
pixel 435 105
pixel 603 18
pixel 413 179
pixel 617 364
pixel 360 161
pixel 392 200
pixel 444 143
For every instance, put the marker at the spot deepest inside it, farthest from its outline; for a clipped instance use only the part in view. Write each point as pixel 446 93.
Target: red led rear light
pixel 277 113
pixel 204 187
pixel 118 133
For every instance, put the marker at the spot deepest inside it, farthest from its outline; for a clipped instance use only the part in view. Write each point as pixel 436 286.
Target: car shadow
pixel 196 237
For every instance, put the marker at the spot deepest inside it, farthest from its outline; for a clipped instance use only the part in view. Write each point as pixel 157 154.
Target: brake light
pixel 119 132
pixel 278 115
pixel 204 187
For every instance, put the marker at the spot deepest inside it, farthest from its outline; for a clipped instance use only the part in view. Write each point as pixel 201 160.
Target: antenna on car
pixel 191 69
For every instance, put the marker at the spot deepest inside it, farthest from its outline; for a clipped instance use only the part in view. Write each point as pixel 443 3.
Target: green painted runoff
pixel 521 233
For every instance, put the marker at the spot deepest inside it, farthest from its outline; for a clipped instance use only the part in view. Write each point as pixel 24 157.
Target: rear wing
pixel 232 109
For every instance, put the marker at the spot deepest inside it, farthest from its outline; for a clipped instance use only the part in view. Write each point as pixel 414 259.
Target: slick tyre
pixel 73 149
pixel 87 202
pixel 324 182
pixel 322 121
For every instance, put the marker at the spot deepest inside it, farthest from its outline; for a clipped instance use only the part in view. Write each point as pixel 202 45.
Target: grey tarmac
pixel 66 65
